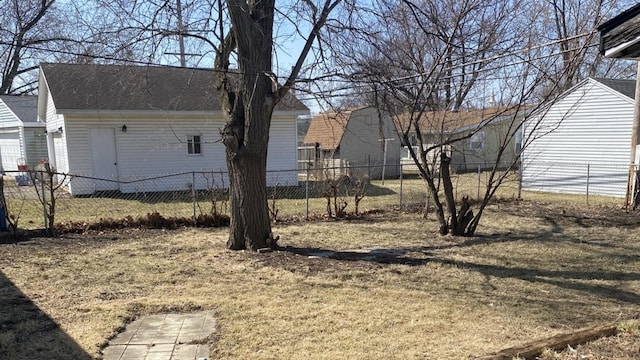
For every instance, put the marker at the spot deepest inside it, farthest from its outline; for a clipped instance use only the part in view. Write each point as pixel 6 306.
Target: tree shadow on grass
pixel 26 332
pixel 588 281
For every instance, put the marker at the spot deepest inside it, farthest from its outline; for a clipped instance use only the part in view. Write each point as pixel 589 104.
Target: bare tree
pixel 571 26
pixel 248 97
pixel 35 31
pixel 181 32
pixel 449 72
pixel 22 28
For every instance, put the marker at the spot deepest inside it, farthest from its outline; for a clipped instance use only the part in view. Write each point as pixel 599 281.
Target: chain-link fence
pixel 292 193
pixel 585 179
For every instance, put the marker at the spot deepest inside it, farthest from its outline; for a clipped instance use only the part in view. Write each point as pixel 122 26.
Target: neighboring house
pixel 473 138
pixel 127 123
pixel 580 143
pixel 355 138
pixel 22 137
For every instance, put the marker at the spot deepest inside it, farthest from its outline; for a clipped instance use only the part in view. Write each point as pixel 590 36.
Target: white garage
pixel 22 137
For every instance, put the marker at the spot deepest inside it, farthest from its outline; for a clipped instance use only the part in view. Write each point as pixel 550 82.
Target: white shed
pixel 126 123
pixel 581 143
pixel 22 136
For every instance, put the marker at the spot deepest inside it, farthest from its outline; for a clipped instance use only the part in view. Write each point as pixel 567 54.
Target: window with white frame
pixel 476 142
pixel 194 145
pixel 518 141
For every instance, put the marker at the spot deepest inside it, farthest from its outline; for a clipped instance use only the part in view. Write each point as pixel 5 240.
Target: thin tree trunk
pixel 448 191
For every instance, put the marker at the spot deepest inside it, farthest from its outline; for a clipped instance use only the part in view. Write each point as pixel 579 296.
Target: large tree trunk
pixel 250 225
pixel 248 99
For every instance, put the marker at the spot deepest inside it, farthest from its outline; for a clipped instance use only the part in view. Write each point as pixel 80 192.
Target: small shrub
pixel 630 326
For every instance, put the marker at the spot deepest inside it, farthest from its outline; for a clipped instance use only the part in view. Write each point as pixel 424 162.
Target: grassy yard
pixel 536 269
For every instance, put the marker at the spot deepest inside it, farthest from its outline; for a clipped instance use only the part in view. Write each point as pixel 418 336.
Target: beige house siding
pixel 361 143
pixel 35 140
pixel 465 158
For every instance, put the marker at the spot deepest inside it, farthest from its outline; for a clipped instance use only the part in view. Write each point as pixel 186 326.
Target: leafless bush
pixel 216 194
pixel 46 183
pixel 358 190
pixel 273 209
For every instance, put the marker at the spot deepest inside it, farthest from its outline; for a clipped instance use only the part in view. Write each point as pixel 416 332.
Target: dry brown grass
pixel 535 270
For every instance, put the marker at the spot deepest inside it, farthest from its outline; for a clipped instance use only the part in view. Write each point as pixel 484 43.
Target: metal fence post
pixel 193 195
pixel 44 201
pixel 401 178
pixel 520 179
pixel 588 179
pixel 306 191
pixel 479 174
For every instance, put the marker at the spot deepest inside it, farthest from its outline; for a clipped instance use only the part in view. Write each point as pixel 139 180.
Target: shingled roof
pixel 623 86
pixel 451 121
pixel 24 106
pixel 127 87
pixel 328 128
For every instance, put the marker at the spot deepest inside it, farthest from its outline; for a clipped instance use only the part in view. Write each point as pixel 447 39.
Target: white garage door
pixel 10 150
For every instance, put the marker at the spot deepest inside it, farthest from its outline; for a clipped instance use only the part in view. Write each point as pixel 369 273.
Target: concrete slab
pixel 163 337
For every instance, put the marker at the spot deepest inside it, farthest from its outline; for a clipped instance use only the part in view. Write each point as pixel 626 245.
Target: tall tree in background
pixel 25 24
pixel 571 26
pixel 447 46
pixel 432 61
pixel 160 31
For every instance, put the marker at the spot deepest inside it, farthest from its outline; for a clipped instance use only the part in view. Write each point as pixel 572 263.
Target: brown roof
pixel 126 87
pixel 450 121
pixel 328 128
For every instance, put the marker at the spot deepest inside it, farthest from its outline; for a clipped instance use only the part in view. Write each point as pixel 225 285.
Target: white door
pixel 10 150
pixel 103 155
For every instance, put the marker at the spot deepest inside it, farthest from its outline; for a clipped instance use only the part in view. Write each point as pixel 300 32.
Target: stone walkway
pixel 163 337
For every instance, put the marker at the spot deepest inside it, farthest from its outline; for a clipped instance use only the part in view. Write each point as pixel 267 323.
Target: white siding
pixel 56 140
pixel 7 118
pixel 156 146
pixel 10 149
pixel 589 129
pixel 62 165
pixel 282 154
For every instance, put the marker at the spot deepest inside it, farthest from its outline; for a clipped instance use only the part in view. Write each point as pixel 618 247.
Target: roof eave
pixel 180 113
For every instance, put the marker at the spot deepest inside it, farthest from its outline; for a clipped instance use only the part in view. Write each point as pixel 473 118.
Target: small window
pixel 194 145
pixel 518 141
pixel 476 143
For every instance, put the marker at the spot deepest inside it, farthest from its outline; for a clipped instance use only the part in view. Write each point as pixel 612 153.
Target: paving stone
pixel 159 356
pixel 114 351
pixel 163 337
pixel 134 352
pixel 183 351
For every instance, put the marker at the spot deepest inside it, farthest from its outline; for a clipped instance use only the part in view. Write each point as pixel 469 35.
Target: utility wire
pixel 327 77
